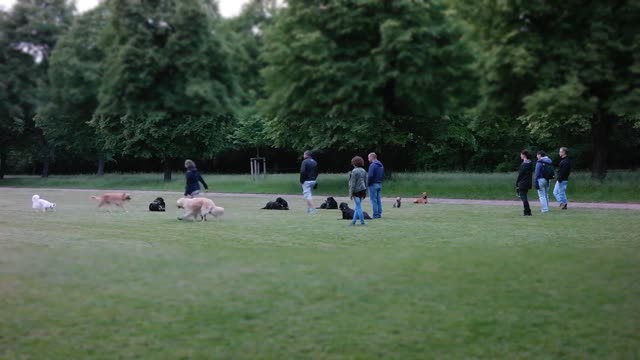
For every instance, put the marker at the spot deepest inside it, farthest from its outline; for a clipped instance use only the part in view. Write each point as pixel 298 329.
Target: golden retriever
pixel 198 208
pixel 116 199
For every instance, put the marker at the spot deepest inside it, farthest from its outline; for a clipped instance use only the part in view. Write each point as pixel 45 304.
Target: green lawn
pixel 435 281
pixel 620 186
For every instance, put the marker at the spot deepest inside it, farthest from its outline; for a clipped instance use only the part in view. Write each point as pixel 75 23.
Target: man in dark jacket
pixel 523 183
pixel 308 176
pixel 375 177
pixel 562 180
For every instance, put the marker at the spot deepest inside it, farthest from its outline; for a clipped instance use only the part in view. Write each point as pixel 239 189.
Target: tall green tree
pixel 246 35
pixel 11 109
pixel 75 73
pixel 167 88
pixel 562 67
pixel 370 73
pixel 30 31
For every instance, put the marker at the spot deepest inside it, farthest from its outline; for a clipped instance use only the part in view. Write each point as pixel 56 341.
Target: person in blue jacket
pixel 192 189
pixel 375 177
pixel 541 183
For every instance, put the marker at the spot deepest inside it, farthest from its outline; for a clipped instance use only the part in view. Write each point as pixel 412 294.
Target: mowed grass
pixel 435 281
pixel 619 186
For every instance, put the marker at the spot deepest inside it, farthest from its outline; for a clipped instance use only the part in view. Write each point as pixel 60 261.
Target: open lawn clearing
pixel 436 281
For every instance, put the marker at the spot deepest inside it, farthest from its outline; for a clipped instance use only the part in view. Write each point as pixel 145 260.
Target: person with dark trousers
pixel 192 188
pixel 524 183
pixel 308 176
pixel 375 177
pixel 562 179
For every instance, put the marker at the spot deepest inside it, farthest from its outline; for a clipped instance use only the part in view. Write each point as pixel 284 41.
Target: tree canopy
pixel 432 84
pixel 167 88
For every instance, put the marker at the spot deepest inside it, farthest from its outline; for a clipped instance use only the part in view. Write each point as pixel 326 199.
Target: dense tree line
pixel 432 84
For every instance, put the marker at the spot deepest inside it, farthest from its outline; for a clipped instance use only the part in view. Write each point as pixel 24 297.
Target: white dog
pixel 198 208
pixel 42 204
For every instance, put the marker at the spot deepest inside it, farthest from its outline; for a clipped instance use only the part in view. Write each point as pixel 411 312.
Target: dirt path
pixel 588 205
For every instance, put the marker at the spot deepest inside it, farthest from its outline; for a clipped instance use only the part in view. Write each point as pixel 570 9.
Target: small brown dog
pixel 199 208
pixel 422 199
pixel 116 199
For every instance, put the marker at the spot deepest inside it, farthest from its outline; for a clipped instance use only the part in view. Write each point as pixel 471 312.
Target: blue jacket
pixel 376 173
pixel 308 170
pixel 193 177
pixel 545 160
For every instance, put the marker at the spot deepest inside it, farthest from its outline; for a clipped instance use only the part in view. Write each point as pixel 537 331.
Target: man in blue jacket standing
pixel 542 181
pixel 375 178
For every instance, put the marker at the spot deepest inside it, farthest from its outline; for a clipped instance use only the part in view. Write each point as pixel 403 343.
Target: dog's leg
pixel 186 215
pixel 121 205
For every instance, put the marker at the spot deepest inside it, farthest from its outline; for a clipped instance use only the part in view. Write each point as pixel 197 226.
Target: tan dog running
pixel 422 199
pixel 199 208
pixel 116 199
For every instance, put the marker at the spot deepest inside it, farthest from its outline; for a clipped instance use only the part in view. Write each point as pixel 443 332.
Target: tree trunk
pixel 600 131
pixel 46 156
pixel 167 169
pixel 3 163
pixel 101 163
pixel 45 168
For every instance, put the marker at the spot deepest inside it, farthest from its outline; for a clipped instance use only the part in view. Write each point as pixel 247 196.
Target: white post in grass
pixel 258 167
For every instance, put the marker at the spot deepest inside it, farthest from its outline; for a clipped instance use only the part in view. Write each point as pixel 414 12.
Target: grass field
pixel 620 186
pixel 435 281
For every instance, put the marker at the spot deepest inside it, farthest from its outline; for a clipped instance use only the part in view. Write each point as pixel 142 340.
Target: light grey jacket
pixel 357 180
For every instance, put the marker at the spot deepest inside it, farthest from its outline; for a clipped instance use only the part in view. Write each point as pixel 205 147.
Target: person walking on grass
pixel 357 188
pixel 375 177
pixel 308 176
pixel 192 189
pixel 523 182
pixel 562 180
pixel 544 168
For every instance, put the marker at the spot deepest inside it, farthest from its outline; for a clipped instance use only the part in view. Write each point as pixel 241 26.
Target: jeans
pixel 376 202
pixel 543 194
pixel 357 211
pixel 560 191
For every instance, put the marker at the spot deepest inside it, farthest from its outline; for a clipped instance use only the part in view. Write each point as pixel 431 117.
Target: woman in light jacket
pixel 357 188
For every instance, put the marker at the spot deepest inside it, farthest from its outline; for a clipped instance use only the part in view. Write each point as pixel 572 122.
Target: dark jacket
pixel 308 170
pixel 376 173
pixel 193 177
pixel 524 176
pixel 564 169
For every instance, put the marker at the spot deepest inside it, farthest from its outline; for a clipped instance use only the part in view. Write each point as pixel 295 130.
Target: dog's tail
pixel 96 198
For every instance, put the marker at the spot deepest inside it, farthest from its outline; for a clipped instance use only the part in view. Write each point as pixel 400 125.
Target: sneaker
pixel 564 206
pixel 312 211
pixel 352 224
